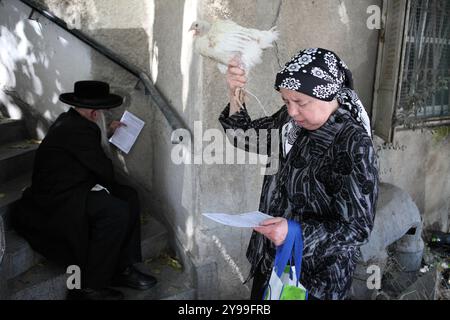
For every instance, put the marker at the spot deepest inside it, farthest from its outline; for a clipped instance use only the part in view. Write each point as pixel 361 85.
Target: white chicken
pixel 225 39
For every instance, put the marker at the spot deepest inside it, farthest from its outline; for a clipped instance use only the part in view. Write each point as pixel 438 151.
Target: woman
pixel 328 177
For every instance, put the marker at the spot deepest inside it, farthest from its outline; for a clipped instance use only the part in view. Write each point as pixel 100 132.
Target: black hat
pixel 91 95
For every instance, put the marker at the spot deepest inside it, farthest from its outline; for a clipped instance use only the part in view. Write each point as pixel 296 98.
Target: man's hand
pixel 113 127
pixel 275 229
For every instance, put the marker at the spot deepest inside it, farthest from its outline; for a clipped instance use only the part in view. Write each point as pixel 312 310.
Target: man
pixel 74 212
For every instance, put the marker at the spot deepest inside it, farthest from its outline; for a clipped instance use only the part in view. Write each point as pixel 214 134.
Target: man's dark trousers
pixel 114 235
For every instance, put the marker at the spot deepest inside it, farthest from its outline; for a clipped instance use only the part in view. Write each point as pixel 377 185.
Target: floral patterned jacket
pixel 329 184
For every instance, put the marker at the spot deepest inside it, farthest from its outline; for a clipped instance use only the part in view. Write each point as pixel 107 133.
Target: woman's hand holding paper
pixel 275 229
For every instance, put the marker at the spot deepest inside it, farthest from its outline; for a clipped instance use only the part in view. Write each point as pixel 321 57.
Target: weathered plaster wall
pixel 34 61
pixel 154 36
pixel 337 25
pixel 176 72
pixel 418 162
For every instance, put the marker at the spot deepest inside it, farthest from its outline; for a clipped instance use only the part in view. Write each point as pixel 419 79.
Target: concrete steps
pixel 31 277
pixel 19 256
pixel 154 238
pixel 16 159
pixel 173 283
pixel 41 282
pixel 46 281
pixel 12 130
pixel 10 192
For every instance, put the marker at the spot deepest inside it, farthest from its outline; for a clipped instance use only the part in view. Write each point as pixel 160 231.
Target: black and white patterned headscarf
pixel 321 74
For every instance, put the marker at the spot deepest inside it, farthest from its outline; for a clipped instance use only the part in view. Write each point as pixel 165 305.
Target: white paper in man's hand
pixel 125 136
pixel 243 220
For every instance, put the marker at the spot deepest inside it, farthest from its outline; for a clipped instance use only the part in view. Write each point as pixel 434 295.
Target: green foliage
pixel 441 134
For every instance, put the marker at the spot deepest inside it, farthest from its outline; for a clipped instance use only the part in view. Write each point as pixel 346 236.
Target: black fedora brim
pixel 112 101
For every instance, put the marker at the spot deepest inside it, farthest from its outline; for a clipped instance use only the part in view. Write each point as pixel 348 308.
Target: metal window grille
pixel 425 79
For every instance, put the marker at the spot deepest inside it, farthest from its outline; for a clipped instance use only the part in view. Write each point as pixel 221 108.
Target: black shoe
pixel 95 294
pixel 135 279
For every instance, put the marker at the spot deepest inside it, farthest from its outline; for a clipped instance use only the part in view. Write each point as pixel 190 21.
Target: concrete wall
pixel 34 58
pixel 418 162
pixel 337 25
pixel 153 35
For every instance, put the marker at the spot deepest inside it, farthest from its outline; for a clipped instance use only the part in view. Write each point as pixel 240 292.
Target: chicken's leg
pixel 239 96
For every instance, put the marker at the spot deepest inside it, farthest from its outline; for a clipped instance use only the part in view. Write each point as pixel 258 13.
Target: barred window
pixel 424 94
pixel 413 72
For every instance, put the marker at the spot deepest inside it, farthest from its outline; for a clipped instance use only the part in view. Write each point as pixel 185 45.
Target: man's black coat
pixel 69 163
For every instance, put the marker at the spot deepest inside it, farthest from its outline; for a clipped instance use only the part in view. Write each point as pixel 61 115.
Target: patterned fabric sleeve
pixel 353 178
pixel 250 135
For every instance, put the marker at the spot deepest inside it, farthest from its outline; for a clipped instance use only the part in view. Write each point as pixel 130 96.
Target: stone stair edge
pixel 17 148
pixel 18 249
pixel 12 130
pixel 10 193
pixel 46 281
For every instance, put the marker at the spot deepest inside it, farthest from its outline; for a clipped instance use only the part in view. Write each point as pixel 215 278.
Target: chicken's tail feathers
pixel 267 38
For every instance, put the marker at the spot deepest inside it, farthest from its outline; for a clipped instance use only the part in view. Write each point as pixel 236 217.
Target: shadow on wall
pixel 35 67
pixel 171 68
pixel 21 61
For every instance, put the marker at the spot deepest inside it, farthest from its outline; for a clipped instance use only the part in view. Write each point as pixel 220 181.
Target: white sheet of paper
pixel 243 220
pixel 125 137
